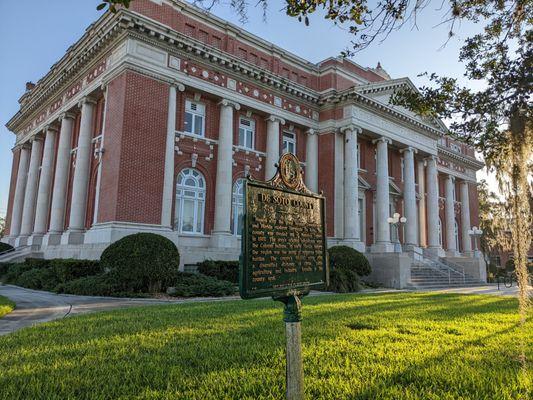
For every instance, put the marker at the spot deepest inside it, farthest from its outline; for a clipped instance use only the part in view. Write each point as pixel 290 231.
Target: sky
pixel 34 34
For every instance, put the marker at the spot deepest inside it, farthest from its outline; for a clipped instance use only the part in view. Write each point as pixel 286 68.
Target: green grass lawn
pixel 6 306
pixel 387 346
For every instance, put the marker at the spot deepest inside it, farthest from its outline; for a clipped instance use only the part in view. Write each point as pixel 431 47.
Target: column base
pixel 72 237
pixel 21 241
pixel 9 240
pixel 354 244
pixel 36 239
pixel 383 247
pixel 52 239
pixel 223 240
pixel 434 252
pixel 452 253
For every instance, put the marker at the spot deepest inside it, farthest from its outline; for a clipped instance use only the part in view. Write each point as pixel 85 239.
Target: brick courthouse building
pixel 151 120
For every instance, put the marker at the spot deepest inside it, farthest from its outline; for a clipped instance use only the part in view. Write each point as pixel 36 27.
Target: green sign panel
pixel 284 238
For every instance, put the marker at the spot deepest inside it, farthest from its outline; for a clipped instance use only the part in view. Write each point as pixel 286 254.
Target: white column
pixel 59 192
pixel 311 160
pixel 433 206
pixel 20 189
pixel 465 219
pixel 422 203
pixel 351 188
pixel 382 227
pixel 221 236
pixel 168 180
pixel 28 210
pixel 80 185
pixel 272 145
pixel 450 216
pixel 409 197
pixel 45 186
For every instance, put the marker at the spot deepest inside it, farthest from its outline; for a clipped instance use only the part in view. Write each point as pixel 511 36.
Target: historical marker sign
pixel 284 238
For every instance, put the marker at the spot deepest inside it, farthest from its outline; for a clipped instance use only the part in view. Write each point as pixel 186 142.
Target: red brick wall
pixel 326 176
pixel 12 185
pixel 133 162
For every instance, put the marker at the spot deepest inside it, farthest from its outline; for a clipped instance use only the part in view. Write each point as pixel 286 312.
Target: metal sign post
pixel 284 252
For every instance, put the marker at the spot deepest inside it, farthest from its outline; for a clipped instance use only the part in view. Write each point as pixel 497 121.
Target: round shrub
pixel 5 247
pixel 348 258
pixel 143 262
pixel 346 266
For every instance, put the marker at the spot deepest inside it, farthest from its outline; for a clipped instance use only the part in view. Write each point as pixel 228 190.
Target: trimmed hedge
pixel 346 267
pixel 70 269
pixel 96 285
pixel 143 262
pixel 4 267
pixel 223 270
pixel 190 285
pixel 38 278
pixel 5 247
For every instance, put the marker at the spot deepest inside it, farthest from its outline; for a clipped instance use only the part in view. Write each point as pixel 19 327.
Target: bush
pixel 348 258
pixel 190 285
pixel 38 278
pixel 96 285
pixel 346 266
pixel 15 270
pixel 5 247
pixel 223 270
pixel 37 263
pixel 4 267
pixel 70 269
pixel 143 262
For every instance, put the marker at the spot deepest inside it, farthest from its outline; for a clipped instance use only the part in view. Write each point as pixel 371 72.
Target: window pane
pixel 241 137
pixel 188 216
pixel 188 122
pixel 198 125
pixel 239 220
pixel 200 216
pixel 249 142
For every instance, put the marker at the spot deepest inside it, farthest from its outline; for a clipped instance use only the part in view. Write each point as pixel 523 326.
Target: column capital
pixel 180 87
pixel 51 128
pixel 311 131
pixel 229 103
pixel 431 157
pixel 382 139
pixel 409 149
pixel 450 177
pixel 67 114
pixel 274 118
pixel 351 128
pixel 86 100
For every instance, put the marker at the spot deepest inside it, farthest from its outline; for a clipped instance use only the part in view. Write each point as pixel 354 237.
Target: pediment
pixel 381 92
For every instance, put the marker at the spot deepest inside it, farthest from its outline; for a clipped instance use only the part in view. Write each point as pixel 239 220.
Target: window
pixel 289 143
pixel 194 118
pixel 237 207
pixel 190 202
pixel 246 133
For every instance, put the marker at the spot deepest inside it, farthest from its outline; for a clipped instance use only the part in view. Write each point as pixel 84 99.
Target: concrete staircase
pixel 438 273
pixel 16 255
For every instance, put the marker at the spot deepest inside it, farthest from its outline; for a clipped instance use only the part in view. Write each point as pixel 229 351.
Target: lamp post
pixel 475 232
pixel 397 221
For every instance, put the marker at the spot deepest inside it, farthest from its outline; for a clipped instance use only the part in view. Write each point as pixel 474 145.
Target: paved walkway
pixel 35 306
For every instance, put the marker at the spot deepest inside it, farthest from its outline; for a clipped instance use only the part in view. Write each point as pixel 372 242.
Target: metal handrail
pixel 426 262
pixel 13 250
pixel 446 263
pixel 7 251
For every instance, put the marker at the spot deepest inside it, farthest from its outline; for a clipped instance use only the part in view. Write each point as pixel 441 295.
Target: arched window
pixel 237 208
pixel 190 202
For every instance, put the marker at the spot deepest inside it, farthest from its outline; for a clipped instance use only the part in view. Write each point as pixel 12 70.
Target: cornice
pixel 353 95
pixel 158 34
pixel 70 67
pixel 468 161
